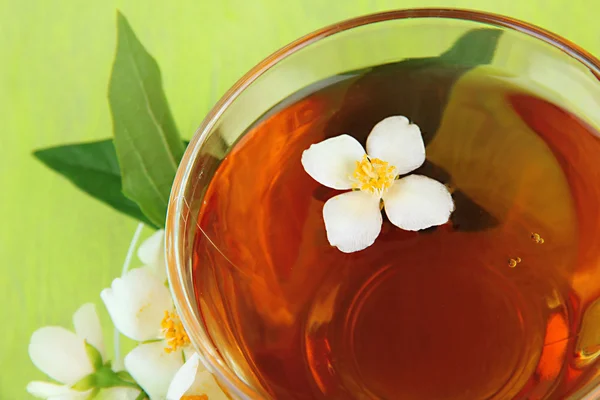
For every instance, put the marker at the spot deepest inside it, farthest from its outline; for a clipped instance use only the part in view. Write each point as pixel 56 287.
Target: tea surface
pixel 478 308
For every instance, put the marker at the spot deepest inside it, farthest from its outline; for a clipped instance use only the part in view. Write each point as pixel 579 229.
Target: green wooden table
pixel 58 247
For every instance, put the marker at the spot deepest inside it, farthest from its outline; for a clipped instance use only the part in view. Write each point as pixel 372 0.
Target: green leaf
pixel 93 168
pixel 148 145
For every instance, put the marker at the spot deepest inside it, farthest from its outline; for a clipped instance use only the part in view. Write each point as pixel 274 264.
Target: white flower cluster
pixel 163 365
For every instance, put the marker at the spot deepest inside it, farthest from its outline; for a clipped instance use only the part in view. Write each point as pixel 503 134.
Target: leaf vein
pixel 144 168
pixel 162 134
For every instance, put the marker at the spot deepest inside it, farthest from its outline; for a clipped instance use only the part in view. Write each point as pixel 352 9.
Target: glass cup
pixel 566 74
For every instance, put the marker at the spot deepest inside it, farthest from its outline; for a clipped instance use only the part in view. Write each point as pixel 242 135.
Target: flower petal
pixel 193 379
pixel 73 395
pixel 60 354
pixel 417 202
pixel 47 390
pixel 137 303
pixel 152 249
pixel 205 383
pixel 332 161
pixel 184 378
pixel 352 220
pixel 398 142
pixel 152 253
pixel 188 352
pixel 87 327
pixel 118 393
pixel 153 368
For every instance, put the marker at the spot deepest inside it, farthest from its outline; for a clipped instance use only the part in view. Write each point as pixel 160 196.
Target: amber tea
pixel 498 303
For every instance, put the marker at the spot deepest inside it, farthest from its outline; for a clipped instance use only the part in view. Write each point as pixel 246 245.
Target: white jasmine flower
pixel 193 381
pixel 61 354
pixel 141 308
pixel 394 147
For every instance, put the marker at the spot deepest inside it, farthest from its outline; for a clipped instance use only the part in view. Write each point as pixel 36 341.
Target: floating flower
pixel 66 357
pixel 394 147
pixel 194 382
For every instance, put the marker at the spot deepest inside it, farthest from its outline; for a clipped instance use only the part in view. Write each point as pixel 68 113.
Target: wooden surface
pixel 58 247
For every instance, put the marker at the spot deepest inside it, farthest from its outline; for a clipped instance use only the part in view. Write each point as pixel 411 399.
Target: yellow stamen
pixel 373 175
pixel 174 333
pixel 195 397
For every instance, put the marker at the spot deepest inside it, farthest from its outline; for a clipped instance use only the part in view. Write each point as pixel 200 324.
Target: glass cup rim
pixel 177 203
